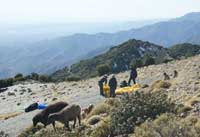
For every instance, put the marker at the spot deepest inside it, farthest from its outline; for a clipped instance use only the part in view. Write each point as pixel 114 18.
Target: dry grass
pixel 94 120
pixel 184 109
pixel 160 84
pixel 103 128
pixel 30 131
pixel 192 101
pixel 100 109
pixel 9 115
pixel 168 125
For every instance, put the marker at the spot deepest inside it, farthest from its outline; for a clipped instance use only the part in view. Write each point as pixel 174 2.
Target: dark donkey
pixel 43 115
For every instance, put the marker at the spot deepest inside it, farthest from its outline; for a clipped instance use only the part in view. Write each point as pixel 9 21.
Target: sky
pixel 41 11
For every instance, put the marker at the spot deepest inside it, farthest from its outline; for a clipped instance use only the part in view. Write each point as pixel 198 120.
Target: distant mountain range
pixel 50 55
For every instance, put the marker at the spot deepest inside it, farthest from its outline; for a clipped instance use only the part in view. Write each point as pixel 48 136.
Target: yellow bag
pixel 129 89
pixel 106 90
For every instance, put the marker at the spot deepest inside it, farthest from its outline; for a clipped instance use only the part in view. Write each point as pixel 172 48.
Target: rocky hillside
pixel 120 58
pixel 184 89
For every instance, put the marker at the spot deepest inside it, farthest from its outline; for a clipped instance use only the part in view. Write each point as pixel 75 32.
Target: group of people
pixel 112 83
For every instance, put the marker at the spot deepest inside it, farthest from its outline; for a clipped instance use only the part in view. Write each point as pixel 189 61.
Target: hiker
pixel 113 85
pixel 133 76
pixel 175 74
pixel 101 82
pixel 123 84
pixel 35 106
pixel 166 76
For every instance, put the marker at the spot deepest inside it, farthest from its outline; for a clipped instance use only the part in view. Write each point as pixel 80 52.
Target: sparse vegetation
pixel 184 50
pixel 19 77
pixel 103 69
pixel 73 78
pixel 148 60
pixel 137 108
pixel 100 109
pixel 160 84
pixel 169 125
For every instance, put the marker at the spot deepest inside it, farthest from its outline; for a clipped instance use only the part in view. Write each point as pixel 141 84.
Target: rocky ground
pixel 16 98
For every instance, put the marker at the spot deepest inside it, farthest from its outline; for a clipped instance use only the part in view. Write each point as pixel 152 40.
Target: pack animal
pixel 69 113
pixel 43 115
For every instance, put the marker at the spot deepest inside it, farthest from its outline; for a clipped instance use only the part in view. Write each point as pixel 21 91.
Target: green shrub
pixel 148 60
pixel 167 125
pixel 103 69
pixel 6 82
pixel 138 107
pixel 44 78
pixel 136 63
pixel 34 76
pixel 73 78
pixel 19 75
pixel 19 79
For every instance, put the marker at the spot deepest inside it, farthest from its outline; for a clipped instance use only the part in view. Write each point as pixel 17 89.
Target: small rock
pixel 18 104
pixel 29 90
pixel 54 99
pixel 74 84
pixel 11 94
pixel 32 93
pixel 23 90
pixel 104 114
pixel 145 86
pixel 3 134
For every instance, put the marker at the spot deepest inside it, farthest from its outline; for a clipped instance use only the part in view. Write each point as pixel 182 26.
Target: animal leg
pixel 74 123
pixel 53 124
pixel 79 119
pixel 67 125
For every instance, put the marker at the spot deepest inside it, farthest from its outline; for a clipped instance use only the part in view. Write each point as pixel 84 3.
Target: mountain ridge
pixel 57 53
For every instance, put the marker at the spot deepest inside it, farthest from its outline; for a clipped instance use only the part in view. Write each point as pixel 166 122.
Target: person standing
pixel 113 86
pixel 102 81
pixel 133 76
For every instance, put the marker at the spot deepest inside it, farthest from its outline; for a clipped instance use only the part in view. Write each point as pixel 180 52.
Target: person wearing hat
pixel 113 86
pixel 102 81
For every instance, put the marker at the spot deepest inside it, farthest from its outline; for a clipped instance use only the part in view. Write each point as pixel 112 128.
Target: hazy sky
pixel 37 11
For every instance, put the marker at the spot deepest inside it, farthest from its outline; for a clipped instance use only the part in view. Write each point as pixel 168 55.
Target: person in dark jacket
pixel 166 76
pixel 113 85
pixel 175 74
pixel 133 76
pixel 101 82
